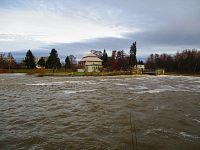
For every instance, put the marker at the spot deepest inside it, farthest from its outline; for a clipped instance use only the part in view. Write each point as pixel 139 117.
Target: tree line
pixel 187 61
pixel 50 62
pixel 7 61
pixel 118 61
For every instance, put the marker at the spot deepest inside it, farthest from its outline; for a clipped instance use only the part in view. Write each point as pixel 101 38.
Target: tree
pixel 41 62
pixel 2 60
pixel 133 59
pixel 97 53
pixel 53 61
pixel 113 64
pixel 67 63
pixel 72 59
pixel 140 62
pixel 104 58
pixel 29 60
pixel 121 59
pixel 10 60
pixel 187 61
pixel 114 54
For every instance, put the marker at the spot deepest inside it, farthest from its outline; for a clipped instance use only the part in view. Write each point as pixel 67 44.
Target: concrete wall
pixel 92 68
pixel 93 63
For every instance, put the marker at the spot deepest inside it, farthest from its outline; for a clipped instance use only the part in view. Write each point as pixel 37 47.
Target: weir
pixel 154 72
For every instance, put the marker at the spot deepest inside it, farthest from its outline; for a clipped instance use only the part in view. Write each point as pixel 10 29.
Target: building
pixel 140 66
pixel 37 59
pixel 90 63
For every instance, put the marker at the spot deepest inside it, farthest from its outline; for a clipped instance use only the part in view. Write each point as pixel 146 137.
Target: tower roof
pixel 91 57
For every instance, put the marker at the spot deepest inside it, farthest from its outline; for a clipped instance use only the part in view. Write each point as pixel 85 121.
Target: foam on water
pixel 92 82
pixel 155 108
pixel 80 91
pixel 121 84
pixel 151 91
pixel 70 92
pixel 47 83
pixel 142 88
pixel 157 131
pixel 186 135
pixel 138 88
pixel 164 88
pixel 198 121
pixel 170 132
pixel 63 82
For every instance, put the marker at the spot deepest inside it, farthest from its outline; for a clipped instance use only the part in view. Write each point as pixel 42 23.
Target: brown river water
pixel 123 112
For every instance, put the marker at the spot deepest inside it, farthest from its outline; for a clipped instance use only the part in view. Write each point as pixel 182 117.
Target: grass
pixel 114 73
pixel 62 72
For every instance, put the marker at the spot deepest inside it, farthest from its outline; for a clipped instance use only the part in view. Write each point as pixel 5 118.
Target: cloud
pixel 75 27
pixel 48 27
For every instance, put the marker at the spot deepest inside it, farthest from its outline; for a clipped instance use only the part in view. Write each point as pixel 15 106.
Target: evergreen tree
pixel 104 58
pixel 53 61
pixel 67 63
pixel 29 60
pixel 133 60
pixel 41 62
pixel 140 62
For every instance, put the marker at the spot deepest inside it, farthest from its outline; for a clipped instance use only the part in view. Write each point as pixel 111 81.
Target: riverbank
pixel 46 72
pixel 115 73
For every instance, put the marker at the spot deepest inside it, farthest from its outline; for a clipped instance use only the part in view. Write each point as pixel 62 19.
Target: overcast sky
pixel 77 26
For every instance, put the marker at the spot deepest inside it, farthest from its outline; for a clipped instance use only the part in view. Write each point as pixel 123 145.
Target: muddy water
pixel 99 112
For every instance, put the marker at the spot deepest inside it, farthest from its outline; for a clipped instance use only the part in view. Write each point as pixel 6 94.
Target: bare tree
pixel 10 60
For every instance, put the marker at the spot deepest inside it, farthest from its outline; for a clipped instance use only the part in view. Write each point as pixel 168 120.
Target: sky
pixel 78 26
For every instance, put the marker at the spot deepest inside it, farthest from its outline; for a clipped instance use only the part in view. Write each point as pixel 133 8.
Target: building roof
pixel 91 57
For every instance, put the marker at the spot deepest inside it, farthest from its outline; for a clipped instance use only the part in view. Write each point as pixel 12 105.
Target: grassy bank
pixel 48 72
pixel 115 73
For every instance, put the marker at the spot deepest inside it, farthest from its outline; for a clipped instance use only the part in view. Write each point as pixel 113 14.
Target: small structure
pixel 90 63
pixel 140 66
pixel 37 60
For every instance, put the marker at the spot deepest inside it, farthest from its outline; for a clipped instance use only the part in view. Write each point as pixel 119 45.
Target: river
pixel 121 112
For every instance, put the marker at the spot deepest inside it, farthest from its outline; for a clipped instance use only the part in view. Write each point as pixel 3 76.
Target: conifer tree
pixel 67 63
pixel 29 60
pixel 104 58
pixel 53 61
pixel 133 59
pixel 41 62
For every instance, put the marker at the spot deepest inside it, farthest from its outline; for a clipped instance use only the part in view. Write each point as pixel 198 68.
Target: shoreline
pixel 61 73
pixel 107 75
pixel 182 74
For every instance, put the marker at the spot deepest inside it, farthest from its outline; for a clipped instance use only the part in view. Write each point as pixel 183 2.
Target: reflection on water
pixel 94 112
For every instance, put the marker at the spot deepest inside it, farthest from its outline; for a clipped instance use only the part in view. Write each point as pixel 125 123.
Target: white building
pixel 90 63
pixel 140 67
